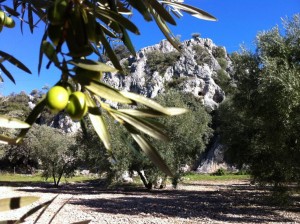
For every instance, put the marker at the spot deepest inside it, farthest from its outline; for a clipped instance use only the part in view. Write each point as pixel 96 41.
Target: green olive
pixel 9 22
pixel 77 106
pixel 57 98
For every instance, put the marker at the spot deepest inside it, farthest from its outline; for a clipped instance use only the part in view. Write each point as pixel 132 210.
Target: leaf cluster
pixel 261 121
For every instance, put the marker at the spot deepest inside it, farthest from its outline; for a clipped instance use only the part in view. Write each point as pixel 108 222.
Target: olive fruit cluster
pixel 74 103
pixel 6 21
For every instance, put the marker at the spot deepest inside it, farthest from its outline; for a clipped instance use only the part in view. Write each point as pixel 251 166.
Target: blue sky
pixel 238 23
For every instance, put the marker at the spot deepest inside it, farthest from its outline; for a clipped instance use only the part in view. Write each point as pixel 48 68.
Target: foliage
pixel 222 62
pixel 260 124
pixel 75 32
pixel 188 135
pixel 159 61
pixel 219 52
pixel 219 172
pixel 55 151
pixel 202 56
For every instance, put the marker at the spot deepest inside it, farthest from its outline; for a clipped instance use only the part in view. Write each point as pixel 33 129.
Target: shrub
pixel 222 62
pixel 202 55
pixel 219 52
pixel 219 172
pixel 159 61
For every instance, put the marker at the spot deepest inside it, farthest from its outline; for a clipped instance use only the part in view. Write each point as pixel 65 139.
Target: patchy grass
pixel 207 177
pixel 37 178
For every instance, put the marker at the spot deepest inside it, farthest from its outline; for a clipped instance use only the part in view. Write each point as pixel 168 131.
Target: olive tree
pixel 75 32
pixel 260 124
pixel 56 152
pixel 188 136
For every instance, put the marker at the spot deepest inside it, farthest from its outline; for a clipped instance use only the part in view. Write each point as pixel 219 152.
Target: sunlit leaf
pixel 151 152
pixel 145 101
pixel 172 111
pixel 8 122
pixel 35 209
pixel 8 221
pixel 7 204
pixel 104 91
pixel 32 117
pixel 143 126
pixel 198 13
pixel 99 124
pixel 92 65
pixel 7 140
pixel 142 112
pixel 14 61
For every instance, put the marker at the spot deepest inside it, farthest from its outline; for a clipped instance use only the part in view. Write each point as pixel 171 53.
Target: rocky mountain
pixel 196 70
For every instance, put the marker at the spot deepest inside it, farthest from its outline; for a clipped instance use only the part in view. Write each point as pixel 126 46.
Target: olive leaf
pixel 103 90
pixel 7 140
pixel 99 123
pixel 92 65
pixel 151 152
pixel 196 12
pixel 14 61
pixel 7 204
pixel 142 125
pixel 8 122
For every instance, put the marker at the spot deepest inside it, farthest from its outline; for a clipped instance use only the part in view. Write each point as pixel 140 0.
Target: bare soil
pixel 198 202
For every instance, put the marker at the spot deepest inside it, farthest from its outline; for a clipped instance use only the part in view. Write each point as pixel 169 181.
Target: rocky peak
pixel 194 69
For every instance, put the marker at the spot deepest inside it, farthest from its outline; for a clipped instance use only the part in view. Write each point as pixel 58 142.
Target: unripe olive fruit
pixel 9 22
pixel 2 18
pixel 57 98
pixel 84 73
pixel 77 107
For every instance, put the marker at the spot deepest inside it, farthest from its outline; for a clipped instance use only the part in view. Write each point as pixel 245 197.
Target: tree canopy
pixel 260 122
pixel 76 30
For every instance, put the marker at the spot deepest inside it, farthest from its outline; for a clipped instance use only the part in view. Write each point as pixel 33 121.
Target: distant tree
pixel 260 124
pixel 56 152
pixel 188 134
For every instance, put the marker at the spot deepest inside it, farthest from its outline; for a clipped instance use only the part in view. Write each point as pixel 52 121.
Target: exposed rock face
pixel 197 79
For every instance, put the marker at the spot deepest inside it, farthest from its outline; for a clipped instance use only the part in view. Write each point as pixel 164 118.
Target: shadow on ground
pixel 241 203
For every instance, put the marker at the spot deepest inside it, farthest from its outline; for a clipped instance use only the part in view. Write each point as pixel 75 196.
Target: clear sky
pixel 238 23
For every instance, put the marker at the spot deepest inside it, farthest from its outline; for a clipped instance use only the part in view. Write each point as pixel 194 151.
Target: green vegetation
pixel 260 122
pixel 202 55
pixel 159 61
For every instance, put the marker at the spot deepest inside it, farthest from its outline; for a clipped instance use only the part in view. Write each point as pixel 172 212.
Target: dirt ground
pixel 198 202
